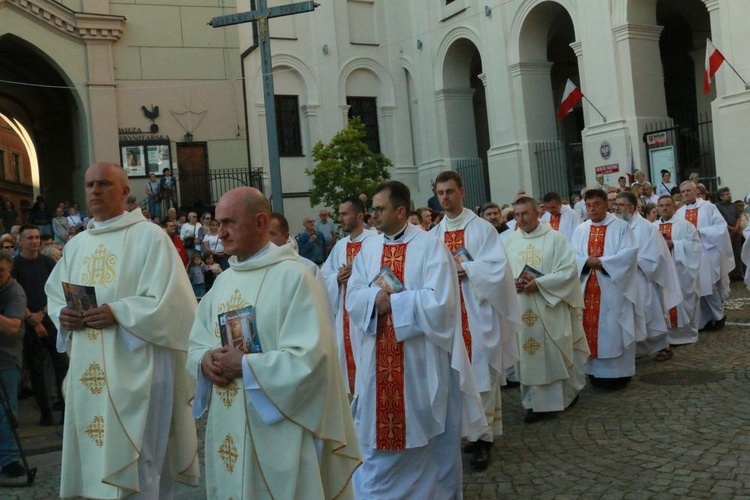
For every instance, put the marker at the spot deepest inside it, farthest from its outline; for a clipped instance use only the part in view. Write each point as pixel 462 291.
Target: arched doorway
pixel 547 61
pixel 34 92
pixel 464 106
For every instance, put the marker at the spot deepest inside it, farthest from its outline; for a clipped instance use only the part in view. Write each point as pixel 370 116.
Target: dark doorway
pixel 192 164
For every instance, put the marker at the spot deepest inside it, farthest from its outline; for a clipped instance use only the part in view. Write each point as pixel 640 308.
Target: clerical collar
pixel 534 231
pixel 456 222
pixel 359 237
pixel 398 235
pixel 106 223
pixel 666 221
pixel 260 253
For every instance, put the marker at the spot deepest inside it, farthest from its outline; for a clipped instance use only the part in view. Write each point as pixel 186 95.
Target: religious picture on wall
pixel 133 160
pixel 157 158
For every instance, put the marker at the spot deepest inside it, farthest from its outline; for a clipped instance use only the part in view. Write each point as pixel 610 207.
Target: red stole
pixel 691 215
pixel 454 240
pixel 352 249
pixel 390 409
pixel 592 294
pixel 666 230
pixel 554 221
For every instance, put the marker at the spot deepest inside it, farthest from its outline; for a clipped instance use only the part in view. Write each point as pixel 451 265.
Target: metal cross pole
pixel 260 15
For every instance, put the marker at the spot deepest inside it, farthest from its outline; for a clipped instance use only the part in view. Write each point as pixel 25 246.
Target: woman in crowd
pixel 153 195
pixel 212 243
pixel 60 226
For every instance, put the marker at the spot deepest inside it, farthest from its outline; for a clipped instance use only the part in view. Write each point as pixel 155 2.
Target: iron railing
pixel 473 172
pixel 215 183
pixel 560 167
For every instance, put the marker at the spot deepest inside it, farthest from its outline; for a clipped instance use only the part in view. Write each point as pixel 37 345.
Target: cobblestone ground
pixel 686 436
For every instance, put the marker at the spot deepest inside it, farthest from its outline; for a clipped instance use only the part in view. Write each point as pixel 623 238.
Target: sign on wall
pixel 141 156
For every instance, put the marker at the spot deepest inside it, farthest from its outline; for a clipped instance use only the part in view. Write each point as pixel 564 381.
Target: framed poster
pixel 157 158
pixel 133 160
pixel 661 159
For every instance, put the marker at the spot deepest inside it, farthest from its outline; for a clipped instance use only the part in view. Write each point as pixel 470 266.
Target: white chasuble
pixel 718 258
pixel 613 318
pixel 565 223
pixel 343 253
pixel 552 341
pixel 490 315
pixel 301 443
pixel 134 269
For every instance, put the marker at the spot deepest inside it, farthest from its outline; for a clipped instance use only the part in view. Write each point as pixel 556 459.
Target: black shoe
pixel 596 382
pixel 533 416
pixel 480 456
pixel 719 324
pixel 14 469
pixel 46 419
pixel 469 447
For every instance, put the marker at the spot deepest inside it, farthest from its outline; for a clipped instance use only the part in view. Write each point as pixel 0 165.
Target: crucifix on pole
pixel 260 15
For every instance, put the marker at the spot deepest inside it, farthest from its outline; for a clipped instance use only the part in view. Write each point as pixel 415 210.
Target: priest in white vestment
pixel 336 272
pixel 607 254
pixel 553 344
pixel 686 249
pixel 128 428
pixel 490 318
pixel 561 218
pixel 657 279
pixel 278 424
pixel 717 259
pixel 414 386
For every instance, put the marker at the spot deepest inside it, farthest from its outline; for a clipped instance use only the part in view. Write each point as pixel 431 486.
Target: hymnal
pixel 462 255
pixel 238 329
pixel 79 297
pixel 528 274
pixel 388 281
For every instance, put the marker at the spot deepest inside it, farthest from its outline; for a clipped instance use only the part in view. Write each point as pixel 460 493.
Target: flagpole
pixel 747 86
pixel 592 105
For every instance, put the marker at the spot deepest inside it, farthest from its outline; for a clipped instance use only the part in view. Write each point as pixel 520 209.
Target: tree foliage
pixel 346 167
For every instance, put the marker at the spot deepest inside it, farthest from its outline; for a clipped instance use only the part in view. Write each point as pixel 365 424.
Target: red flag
pixel 571 97
pixel 714 58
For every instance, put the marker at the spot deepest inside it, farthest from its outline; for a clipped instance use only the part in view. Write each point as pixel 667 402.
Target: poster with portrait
pixel 157 158
pixel 133 160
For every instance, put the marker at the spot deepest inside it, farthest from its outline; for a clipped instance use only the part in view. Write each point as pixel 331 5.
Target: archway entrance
pixel 33 92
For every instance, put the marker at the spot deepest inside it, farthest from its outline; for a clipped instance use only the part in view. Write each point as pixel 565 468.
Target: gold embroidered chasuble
pixel 136 271
pixel 299 373
pixel 551 339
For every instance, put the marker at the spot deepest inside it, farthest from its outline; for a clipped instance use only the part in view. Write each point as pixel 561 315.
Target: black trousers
pixel 36 352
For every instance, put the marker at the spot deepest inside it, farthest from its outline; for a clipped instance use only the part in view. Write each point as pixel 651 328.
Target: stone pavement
pixel 681 429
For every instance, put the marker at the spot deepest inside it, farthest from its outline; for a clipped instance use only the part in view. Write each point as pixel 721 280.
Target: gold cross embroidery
pixel 95 430
pixel 94 379
pixel 228 393
pixel 529 317
pixel 531 346
pixel 228 453
pixel 92 333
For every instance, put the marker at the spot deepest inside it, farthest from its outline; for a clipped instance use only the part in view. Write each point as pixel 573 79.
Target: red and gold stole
pixel 554 221
pixel 666 230
pixel 691 215
pixel 352 249
pixel 592 295
pixel 390 416
pixel 454 240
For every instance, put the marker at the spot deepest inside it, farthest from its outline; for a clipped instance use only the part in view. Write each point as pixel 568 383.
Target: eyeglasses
pixel 11 247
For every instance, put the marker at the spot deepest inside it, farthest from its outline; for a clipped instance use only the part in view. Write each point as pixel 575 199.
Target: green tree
pixel 345 167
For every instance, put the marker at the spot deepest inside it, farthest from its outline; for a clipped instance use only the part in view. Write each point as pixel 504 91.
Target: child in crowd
pixel 214 269
pixel 197 274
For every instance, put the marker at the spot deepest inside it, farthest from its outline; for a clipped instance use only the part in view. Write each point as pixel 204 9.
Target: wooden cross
pixel 260 15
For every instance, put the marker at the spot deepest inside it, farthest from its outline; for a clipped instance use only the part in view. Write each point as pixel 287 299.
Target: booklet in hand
pixel 462 255
pixel 79 297
pixel 528 274
pixel 238 329
pixel 388 281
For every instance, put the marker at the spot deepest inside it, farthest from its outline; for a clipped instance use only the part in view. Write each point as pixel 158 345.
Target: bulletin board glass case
pixel 141 158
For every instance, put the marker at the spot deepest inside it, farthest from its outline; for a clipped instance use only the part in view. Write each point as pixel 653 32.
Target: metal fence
pixel 694 148
pixel 560 167
pixel 473 172
pixel 214 183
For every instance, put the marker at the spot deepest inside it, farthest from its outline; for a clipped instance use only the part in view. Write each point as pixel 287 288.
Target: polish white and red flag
pixel 714 58
pixel 571 97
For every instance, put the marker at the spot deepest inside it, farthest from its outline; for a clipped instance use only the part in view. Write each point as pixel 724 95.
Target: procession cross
pixel 260 15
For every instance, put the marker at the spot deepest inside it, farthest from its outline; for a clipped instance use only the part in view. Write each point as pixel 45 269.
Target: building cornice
pixel 638 32
pixel 84 26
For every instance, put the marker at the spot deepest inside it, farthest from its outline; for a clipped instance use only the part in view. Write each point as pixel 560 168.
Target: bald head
pixel 106 190
pixel 244 215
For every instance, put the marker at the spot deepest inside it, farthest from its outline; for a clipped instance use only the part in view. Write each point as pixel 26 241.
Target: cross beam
pixel 260 15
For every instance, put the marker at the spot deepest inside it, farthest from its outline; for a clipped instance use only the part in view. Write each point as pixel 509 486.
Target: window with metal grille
pixel 366 109
pixel 16 164
pixel 288 125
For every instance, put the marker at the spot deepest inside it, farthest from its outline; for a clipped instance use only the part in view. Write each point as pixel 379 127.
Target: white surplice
pixel 686 254
pixel 335 292
pixel 658 282
pixel 440 395
pixel 569 221
pixel 717 260
pixel 128 426
pixel 553 344
pixel 620 315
